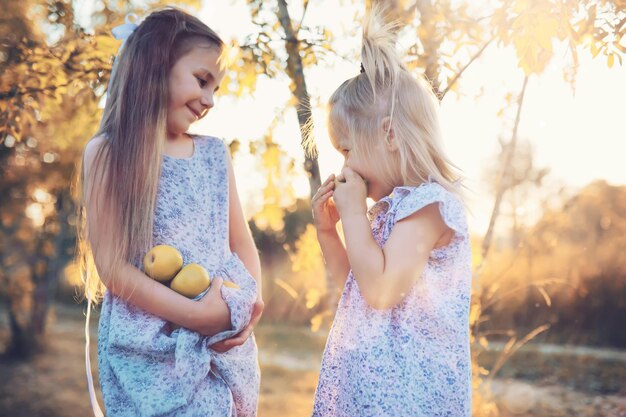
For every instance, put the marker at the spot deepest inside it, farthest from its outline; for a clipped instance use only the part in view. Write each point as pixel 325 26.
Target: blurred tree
pixel 282 44
pixel 39 149
pixel 278 45
pixel 451 35
pixel 569 270
pixel 52 76
pixel 519 184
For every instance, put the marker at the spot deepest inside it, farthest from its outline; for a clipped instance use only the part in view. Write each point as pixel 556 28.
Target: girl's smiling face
pixel 192 83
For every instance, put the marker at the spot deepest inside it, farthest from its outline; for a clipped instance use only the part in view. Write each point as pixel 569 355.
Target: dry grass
pixel 532 384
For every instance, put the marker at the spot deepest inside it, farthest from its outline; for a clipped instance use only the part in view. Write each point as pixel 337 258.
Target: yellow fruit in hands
pixel 191 280
pixel 162 262
pixel 339 180
pixel 231 285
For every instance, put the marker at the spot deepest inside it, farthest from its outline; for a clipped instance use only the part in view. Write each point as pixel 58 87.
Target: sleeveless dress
pixel 146 370
pixel 412 359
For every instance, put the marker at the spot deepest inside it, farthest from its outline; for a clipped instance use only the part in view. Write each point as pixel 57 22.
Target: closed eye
pixel 201 81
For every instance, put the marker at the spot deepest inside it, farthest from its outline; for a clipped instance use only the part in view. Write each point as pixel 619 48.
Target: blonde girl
pixel 399 344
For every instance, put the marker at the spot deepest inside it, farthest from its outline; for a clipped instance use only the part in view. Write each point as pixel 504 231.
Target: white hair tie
pixel 123 32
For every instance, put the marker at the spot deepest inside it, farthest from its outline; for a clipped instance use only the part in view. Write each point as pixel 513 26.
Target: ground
pixel 539 381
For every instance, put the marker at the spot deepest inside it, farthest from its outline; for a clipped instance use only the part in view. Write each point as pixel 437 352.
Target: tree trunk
pixel 506 173
pixel 295 70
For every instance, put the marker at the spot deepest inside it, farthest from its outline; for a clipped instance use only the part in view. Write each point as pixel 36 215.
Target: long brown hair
pixel 134 122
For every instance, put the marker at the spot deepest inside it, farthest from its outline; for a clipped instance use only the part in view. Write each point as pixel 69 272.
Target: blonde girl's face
pixel 368 167
pixel 193 81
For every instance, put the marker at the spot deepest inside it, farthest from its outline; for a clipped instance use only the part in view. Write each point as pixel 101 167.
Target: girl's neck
pixel 181 146
pixel 175 137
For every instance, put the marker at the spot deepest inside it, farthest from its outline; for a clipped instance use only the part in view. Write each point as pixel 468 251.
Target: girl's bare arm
pixel 207 316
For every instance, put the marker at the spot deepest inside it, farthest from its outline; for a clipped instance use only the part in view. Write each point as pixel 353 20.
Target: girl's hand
pixel 240 339
pixel 213 315
pixel 350 195
pixel 325 214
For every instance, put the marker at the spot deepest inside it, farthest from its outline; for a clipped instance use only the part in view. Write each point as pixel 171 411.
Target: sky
pixel 580 137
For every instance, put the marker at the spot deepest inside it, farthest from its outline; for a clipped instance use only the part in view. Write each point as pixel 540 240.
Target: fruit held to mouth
pixel 340 180
pixel 191 280
pixel 162 262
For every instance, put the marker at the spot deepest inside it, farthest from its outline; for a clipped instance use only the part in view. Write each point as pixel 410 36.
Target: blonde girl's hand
pixel 350 193
pixel 325 214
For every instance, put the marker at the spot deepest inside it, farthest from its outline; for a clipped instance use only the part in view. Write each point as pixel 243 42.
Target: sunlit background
pixel 532 113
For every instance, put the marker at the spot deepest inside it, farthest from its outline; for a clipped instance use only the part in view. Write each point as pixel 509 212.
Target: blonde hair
pixel 134 123
pixel 385 88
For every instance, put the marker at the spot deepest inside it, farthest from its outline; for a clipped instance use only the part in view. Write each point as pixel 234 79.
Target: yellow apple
pixel 230 284
pixel 162 262
pixel 191 280
pixel 339 180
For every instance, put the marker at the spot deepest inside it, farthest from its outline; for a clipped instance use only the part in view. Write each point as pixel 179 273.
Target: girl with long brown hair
pixel 145 182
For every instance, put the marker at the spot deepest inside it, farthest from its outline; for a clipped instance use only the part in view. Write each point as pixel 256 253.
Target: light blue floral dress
pixel 147 370
pixel 412 359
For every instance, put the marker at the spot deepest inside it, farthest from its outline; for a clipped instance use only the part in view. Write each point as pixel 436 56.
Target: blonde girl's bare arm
pixel 207 316
pixel 239 235
pixel 335 256
pixel 385 275
pixel 325 215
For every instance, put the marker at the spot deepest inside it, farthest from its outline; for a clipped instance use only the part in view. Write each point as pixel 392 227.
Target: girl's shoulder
pixel 211 144
pixel 406 200
pixel 91 150
pixel 94 144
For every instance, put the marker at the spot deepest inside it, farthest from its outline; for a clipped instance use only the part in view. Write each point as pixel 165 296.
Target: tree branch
pixel 462 70
pixel 7 95
pixel 306 7
pixel 510 150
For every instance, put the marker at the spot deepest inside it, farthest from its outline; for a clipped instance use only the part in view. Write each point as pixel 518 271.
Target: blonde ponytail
pixel 386 89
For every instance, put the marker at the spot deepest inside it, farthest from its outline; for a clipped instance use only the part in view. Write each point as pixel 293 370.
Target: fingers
pixel 330 179
pixel 238 340
pixel 216 284
pixel 256 315
pixel 219 347
pixel 322 198
pixel 349 174
pixel 323 194
pixel 241 337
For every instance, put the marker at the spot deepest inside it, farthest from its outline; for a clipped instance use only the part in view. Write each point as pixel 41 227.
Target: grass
pixel 562 382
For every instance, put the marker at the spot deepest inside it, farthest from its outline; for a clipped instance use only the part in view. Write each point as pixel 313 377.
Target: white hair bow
pixel 122 32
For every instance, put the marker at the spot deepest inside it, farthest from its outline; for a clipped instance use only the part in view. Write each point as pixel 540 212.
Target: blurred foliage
pixel 279 47
pixel 568 270
pixel 565 270
pixel 52 77
pixel 451 35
